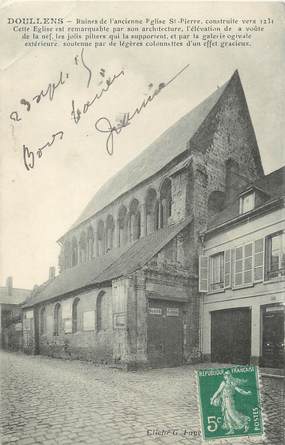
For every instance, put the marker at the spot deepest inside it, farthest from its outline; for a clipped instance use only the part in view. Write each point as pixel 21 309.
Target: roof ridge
pixel 135 172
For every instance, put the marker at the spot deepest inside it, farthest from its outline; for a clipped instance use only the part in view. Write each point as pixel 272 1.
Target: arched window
pixel 100 238
pixel 90 243
pixel 43 320
pixel 102 311
pixel 135 220
pixel 109 233
pixel 67 254
pixel 152 211
pixel 122 226
pixel 165 202
pixel 82 248
pixel 75 318
pixel 156 216
pixel 57 319
pixel 74 251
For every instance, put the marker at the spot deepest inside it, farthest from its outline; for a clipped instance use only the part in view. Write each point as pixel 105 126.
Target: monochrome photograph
pixel 143 226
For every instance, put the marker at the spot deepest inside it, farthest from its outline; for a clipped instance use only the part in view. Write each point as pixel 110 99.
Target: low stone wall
pixel 91 346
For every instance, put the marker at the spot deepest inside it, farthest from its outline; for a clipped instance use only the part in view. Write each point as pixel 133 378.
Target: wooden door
pixel 231 336
pixel 165 333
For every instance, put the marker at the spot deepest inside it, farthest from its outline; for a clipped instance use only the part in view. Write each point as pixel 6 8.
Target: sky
pixel 38 206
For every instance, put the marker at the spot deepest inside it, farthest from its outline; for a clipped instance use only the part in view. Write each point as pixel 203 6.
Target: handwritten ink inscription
pixel 29 156
pixel 102 124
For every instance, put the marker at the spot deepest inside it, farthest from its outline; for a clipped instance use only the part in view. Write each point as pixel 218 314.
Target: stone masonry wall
pixel 227 134
pixel 89 342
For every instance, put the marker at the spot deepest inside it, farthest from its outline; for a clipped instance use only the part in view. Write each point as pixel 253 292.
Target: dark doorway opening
pixel 231 336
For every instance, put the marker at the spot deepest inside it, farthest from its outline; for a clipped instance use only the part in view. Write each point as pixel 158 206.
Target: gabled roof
pixel 17 296
pixel 172 143
pixel 116 263
pixel 272 187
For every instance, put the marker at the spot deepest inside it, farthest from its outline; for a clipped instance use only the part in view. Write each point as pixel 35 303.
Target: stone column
pixel 95 247
pixel 117 233
pixel 159 214
pixel 141 319
pixel 143 219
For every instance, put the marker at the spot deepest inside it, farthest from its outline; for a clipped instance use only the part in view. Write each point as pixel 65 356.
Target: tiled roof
pixel 17 297
pixel 273 186
pixel 163 150
pixel 74 278
pixel 116 263
pixel 142 251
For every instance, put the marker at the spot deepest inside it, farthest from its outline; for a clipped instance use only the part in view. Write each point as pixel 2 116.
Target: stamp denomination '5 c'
pixel 229 402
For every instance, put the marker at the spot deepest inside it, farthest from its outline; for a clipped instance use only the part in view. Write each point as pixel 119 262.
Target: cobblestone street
pixel 51 401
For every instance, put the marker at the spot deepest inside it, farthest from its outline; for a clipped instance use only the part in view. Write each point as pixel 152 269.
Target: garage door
pixel 165 333
pixel 231 336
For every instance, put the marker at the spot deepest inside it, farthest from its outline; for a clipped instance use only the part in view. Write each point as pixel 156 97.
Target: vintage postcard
pixel 143 226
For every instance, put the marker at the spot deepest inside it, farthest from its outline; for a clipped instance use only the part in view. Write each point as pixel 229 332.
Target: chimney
pixel 9 285
pixel 51 273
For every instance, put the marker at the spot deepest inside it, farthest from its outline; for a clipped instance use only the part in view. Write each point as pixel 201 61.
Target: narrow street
pixel 50 401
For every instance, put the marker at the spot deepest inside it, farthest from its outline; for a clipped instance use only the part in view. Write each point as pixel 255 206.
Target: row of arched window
pixel 132 223
pixel 102 316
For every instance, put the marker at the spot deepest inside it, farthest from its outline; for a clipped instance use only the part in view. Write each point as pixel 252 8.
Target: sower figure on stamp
pixel 224 397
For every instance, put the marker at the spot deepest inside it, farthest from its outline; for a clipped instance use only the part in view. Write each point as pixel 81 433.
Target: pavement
pixel 52 401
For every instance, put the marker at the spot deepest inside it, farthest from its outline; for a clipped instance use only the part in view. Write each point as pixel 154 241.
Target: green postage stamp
pixel 230 402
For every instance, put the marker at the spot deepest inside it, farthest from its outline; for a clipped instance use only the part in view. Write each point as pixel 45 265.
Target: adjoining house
pixel 127 291
pixel 11 331
pixel 242 272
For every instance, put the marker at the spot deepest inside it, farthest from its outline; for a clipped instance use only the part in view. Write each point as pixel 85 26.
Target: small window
pixel 43 320
pixel 88 321
pixel 247 203
pixel 103 313
pixel 57 319
pixel 216 272
pixel 275 255
pixel 29 314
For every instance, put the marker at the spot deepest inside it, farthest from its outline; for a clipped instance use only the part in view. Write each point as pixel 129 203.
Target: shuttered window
pixel 243 265
pixel 248 266
pixel 258 260
pixel 203 273
pixel 227 267
pixel 232 267
pixel 238 266
pixel 216 272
